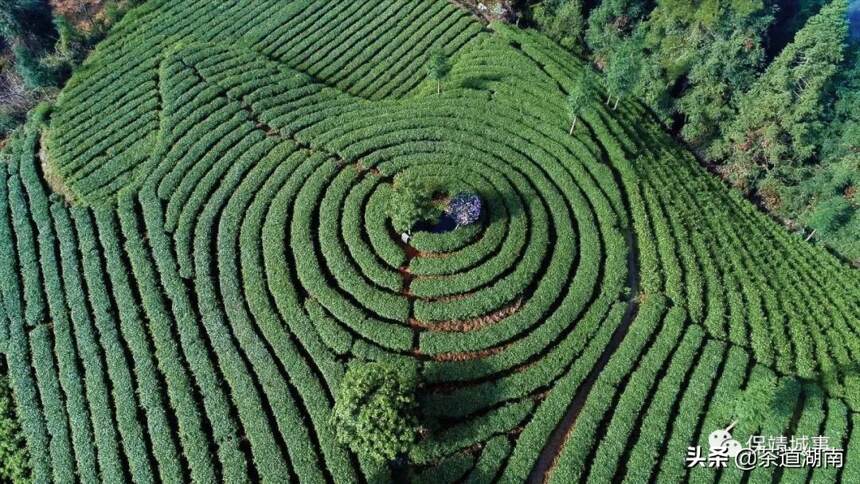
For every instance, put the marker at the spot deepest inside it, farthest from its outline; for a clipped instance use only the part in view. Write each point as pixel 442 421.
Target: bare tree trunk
pixel 572 125
pixel 616 103
pixel 810 235
pixel 438 87
pixel 608 99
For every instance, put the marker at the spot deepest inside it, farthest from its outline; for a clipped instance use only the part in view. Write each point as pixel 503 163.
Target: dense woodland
pixel 766 92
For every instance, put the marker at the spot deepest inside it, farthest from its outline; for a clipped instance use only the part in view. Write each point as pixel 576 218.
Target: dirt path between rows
pixel 548 457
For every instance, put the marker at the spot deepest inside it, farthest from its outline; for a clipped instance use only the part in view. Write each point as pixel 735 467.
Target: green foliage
pixel 822 195
pixel 610 23
pixel 728 66
pixel 563 21
pixel 35 74
pixel 842 133
pixel 438 68
pixel 375 411
pixel 703 70
pixel 14 459
pixel 623 71
pixel 46 46
pixel 780 117
pixel 753 405
pixel 71 45
pixel 830 215
pixel 26 27
pixel 680 37
pixel 828 203
pixel 577 99
pixel 410 202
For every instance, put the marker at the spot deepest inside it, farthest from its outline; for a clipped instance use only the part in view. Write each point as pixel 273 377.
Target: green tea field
pixel 194 245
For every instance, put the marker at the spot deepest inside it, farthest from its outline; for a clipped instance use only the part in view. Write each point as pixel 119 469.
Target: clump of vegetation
pixel 375 411
pixel 41 43
pixel 780 114
pixel 828 203
pixel 577 99
pixel 763 92
pixel 411 202
pixel 764 399
pixel 562 20
pixel 623 72
pixel 14 460
pixel 438 68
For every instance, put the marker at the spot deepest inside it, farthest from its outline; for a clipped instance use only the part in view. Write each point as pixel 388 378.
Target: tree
pixel 830 214
pixel 576 100
pixel 623 71
pixel 828 201
pixel 842 138
pixel 682 36
pixel 438 68
pixel 728 65
pixel 610 23
pixel 34 73
pixel 780 119
pixel 375 411
pixel 411 202
pixel 71 45
pixel 562 20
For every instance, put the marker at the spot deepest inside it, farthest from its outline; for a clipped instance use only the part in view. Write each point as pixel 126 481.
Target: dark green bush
pixel 375 411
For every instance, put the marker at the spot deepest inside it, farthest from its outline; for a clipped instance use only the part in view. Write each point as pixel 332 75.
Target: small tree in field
pixel 438 68
pixel 623 72
pixel 411 202
pixel 577 99
pixel 374 413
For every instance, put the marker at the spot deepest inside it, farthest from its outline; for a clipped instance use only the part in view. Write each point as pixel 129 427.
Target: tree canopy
pixel 411 202
pixel 623 71
pixel 577 100
pixel 563 21
pixel 611 22
pixel 438 68
pixel 766 92
pixel 782 114
pixel 374 412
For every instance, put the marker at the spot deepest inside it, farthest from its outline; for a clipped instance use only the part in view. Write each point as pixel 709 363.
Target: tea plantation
pixel 194 244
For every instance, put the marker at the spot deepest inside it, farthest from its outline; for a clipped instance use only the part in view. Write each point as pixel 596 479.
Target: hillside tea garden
pixel 220 245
